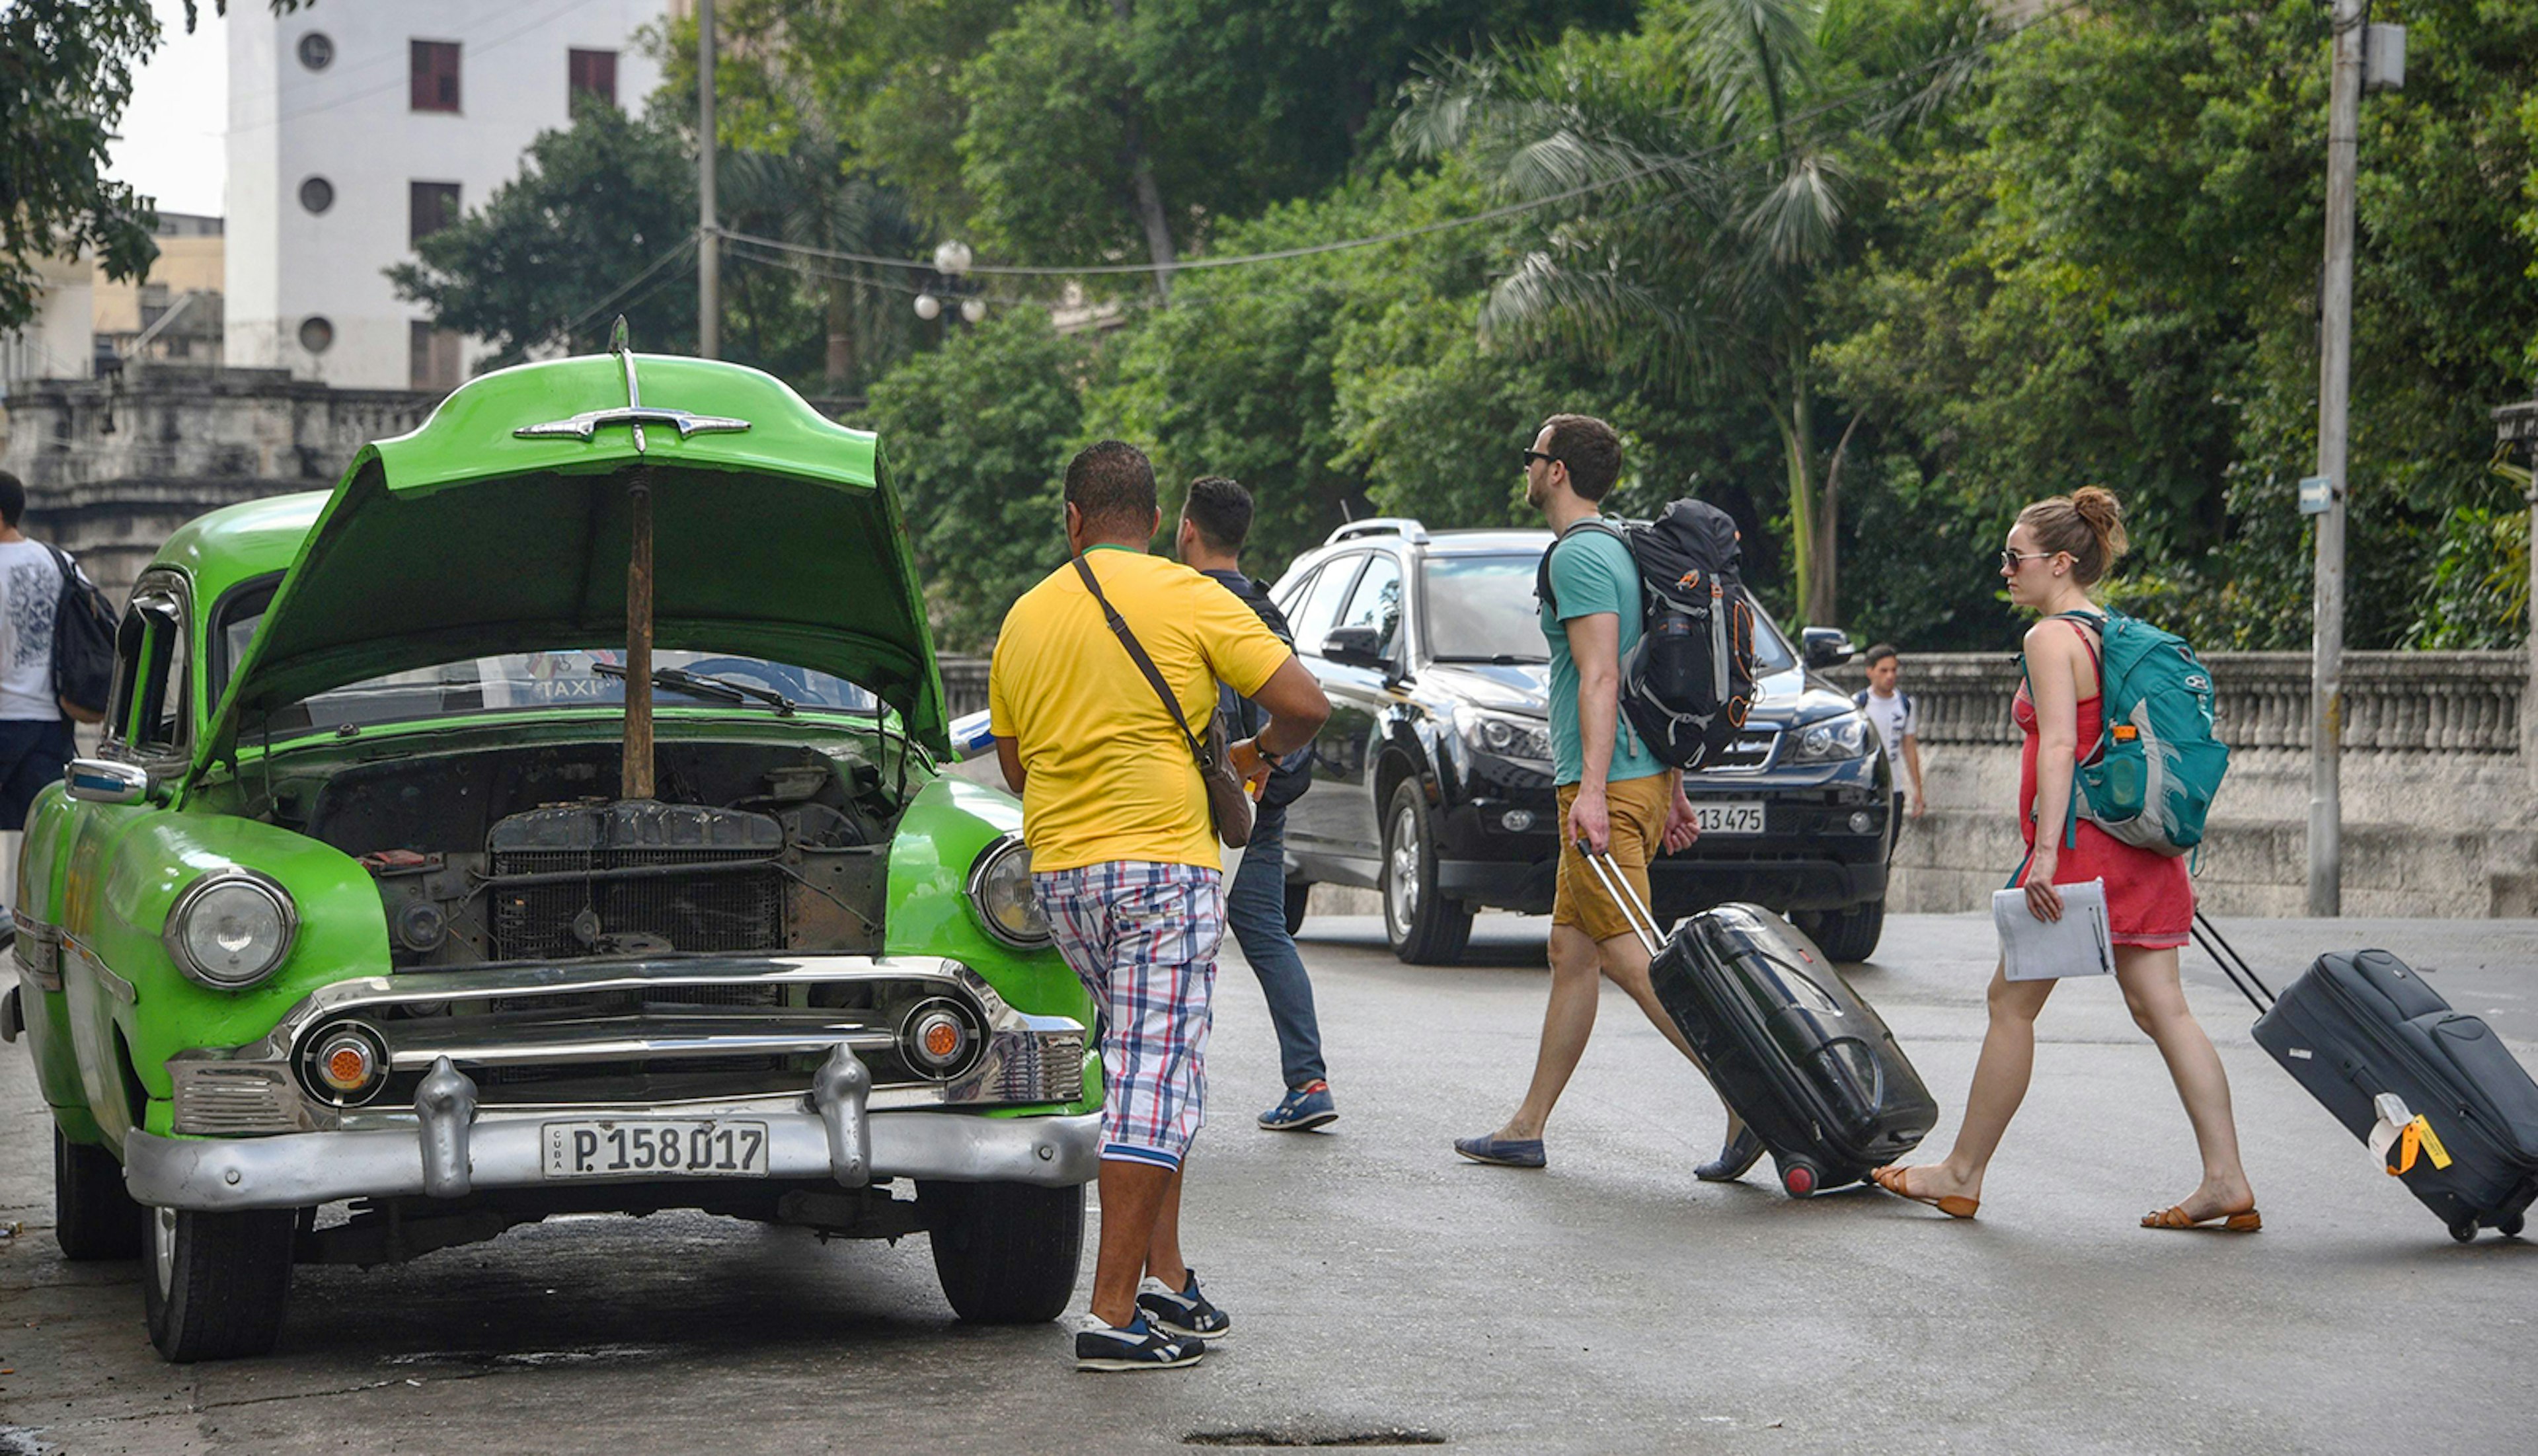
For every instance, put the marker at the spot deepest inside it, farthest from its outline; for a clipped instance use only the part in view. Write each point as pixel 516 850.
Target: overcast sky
pixel 172 143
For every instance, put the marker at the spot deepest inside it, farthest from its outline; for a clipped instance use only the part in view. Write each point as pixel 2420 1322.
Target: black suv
pixel 1432 779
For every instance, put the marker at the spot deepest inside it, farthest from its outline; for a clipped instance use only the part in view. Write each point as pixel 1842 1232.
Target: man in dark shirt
pixel 1215 519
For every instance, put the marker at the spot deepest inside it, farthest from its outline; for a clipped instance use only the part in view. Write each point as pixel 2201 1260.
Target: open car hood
pixel 502 525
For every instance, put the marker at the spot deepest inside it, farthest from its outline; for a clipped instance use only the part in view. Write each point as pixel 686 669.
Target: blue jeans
pixel 1255 909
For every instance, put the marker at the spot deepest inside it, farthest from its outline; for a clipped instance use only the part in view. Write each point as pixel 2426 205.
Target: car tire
pixel 215 1285
pixel 1848 934
pixel 1425 927
pixel 93 1218
pixel 1298 893
pixel 1005 1253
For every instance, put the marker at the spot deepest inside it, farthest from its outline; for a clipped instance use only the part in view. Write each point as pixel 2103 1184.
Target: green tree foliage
pixel 2124 292
pixel 977 435
pixel 1714 158
pixel 66 70
pixel 578 237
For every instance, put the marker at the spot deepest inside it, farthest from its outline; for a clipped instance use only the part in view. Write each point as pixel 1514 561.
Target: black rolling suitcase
pixel 2452 1112
pixel 1788 1045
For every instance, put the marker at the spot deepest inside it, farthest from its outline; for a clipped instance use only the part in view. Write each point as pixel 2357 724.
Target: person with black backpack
pixel 1618 793
pixel 39 586
pixel 1216 518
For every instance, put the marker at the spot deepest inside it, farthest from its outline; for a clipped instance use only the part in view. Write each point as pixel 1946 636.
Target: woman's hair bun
pixel 2097 506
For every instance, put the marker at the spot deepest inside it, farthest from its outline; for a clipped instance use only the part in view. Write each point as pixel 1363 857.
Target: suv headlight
pixel 1000 890
pixel 231 929
pixel 1830 740
pixel 1503 734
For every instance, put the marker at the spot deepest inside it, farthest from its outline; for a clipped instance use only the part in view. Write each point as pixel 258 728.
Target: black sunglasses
pixel 2009 560
pixel 1531 456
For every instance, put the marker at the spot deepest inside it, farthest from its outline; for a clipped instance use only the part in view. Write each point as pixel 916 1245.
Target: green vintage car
pixel 546 820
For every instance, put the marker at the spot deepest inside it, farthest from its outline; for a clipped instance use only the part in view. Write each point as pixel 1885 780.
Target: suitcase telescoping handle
pixel 2232 963
pixel 1643 923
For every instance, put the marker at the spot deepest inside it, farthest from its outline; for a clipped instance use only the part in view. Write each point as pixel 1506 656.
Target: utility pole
pixel 2335 393
pixel 708 235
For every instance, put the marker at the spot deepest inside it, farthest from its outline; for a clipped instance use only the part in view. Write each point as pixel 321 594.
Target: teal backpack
pixel 2159 761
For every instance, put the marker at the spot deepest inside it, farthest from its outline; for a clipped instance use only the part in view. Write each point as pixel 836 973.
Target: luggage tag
pixel 2410 1134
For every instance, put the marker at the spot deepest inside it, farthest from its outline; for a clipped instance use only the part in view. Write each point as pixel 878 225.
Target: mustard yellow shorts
pixel 1639 813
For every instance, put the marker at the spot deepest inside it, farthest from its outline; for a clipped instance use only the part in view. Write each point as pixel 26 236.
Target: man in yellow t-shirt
pixel 1126 862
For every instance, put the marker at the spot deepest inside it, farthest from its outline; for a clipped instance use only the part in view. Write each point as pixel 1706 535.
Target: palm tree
pixel 814 194
pixel 1704 171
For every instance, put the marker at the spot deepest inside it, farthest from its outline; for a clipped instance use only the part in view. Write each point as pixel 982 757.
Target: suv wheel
pixel 213 1285
pixel 1425 927
pixel 92 1216
pixel 1848 934
pixel 1006 1254
pixel 1298 891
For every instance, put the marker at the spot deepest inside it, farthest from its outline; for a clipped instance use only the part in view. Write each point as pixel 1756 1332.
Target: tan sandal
pixel 2247 1220
pixel 1954 1205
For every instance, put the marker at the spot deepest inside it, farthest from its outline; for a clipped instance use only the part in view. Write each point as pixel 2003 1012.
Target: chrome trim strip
pixel 38 951
pixel 507 1150
pixel 501 1052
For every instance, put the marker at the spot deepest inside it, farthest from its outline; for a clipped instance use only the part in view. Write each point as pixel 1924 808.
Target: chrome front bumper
pixel 454 1150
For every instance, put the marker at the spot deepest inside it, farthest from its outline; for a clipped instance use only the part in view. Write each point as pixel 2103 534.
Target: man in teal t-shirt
pixel 1613 794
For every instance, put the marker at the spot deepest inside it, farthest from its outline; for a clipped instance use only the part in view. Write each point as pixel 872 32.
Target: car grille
pixel 733 901
pixel 1751 753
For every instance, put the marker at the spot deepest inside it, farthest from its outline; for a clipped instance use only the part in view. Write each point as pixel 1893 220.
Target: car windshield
pixel 1481 609
pixel 555 678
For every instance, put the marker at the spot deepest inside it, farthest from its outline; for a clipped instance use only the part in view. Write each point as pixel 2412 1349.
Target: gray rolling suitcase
pixel 2452 1112
pixel 1789 1046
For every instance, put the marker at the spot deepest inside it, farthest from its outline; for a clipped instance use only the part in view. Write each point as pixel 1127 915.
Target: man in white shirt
pixel 35 735
pixel 1891 711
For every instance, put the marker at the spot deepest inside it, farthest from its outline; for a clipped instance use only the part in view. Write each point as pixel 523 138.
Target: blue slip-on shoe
pixel 1135 1345
pixel 1733 1159
pixel 1502 1152
pixel 1185 1311
pixel 1303 1110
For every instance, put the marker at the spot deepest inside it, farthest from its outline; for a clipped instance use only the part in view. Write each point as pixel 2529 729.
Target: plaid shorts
pixel 1142 936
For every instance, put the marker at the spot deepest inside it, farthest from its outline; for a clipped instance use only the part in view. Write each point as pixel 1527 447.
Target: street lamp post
pixel 2334 392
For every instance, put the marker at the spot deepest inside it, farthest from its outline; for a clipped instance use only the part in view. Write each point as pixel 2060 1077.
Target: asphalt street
pixel 1384 1288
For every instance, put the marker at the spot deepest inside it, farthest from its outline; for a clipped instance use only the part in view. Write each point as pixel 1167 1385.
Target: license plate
pixel 618 1148
pixel 1742 818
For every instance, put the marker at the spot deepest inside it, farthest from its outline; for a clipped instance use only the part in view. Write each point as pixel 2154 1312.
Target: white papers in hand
pixel 2078 944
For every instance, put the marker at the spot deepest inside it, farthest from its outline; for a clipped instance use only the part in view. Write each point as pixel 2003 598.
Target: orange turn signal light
pixel 941 1040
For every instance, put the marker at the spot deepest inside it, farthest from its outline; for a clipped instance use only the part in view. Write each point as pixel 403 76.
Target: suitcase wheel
pixel 1801 1179
pixel 2464 1231
pixel 2510 1228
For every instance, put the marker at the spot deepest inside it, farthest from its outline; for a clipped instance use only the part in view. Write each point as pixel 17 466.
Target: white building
pixel 359 126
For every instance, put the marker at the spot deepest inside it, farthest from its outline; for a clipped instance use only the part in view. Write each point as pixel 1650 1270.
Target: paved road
pixel 1609 1304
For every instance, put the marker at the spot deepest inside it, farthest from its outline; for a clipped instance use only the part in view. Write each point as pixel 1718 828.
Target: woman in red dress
pixel 2057 551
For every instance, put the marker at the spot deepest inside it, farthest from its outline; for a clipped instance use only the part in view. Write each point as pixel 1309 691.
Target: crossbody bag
pixel 1229 801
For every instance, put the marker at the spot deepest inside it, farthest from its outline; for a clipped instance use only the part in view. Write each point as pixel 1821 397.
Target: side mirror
pixel 100 781
pixel 1828 646
pixel 1355 646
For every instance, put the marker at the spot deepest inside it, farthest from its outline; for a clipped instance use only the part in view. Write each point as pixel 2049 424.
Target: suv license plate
pixel 616 1147
pixel 1742 818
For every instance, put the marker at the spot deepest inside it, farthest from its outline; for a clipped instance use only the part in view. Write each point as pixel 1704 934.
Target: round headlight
pixel 1000 890
pixel 231 929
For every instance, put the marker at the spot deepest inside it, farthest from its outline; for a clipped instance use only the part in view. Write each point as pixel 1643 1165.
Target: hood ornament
pixel 634 414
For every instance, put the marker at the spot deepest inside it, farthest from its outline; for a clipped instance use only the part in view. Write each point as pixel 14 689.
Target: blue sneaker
pixel 1304 1109
pixel 1135 1345
pixel 1185 1311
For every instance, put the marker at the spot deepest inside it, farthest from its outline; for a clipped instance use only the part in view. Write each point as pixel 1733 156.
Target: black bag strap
pixel 69 569
pixel 1145 664
pixel 2208 936
pixel 1542 590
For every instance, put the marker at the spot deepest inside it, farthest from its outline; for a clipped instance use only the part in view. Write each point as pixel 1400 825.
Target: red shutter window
pixel 436 76
pixel 430 207
pixel 592 73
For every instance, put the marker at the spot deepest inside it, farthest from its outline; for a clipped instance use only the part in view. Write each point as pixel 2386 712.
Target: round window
pixel 316 333
pixel 316 194
pixel 316 52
